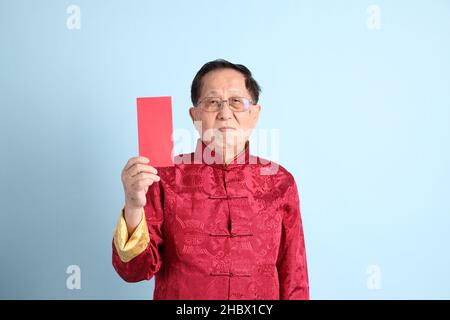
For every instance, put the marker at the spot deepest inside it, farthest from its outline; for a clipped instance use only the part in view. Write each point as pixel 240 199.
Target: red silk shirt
pixel 218 231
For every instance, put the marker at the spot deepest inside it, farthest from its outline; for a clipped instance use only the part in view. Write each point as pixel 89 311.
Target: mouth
pixel 225 129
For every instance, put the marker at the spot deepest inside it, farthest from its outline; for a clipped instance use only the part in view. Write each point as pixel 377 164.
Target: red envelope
pixel 155 130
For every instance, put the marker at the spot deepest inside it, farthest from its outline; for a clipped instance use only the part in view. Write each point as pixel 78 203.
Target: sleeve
pixel 138 257
pixel 291 262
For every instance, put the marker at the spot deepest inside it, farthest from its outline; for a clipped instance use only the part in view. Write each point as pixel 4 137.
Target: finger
pixel 138 167
pixel 135 160
pixel 141 184
pixel 145 175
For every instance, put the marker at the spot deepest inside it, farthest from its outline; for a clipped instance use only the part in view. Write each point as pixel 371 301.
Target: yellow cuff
pixel 130 247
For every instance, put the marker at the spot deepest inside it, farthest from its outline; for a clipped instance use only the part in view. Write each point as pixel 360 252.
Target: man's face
pixel 225 128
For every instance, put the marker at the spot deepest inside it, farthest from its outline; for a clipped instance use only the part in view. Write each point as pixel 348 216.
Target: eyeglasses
pixel 214 104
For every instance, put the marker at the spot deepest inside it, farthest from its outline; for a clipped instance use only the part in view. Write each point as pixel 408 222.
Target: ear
pixel 193 113
pixel 255 113
pixel 196 119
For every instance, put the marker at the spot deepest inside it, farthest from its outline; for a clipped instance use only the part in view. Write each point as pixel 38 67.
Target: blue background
pixel 363 117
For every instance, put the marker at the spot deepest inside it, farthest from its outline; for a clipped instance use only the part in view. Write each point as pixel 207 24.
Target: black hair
pixel 250 83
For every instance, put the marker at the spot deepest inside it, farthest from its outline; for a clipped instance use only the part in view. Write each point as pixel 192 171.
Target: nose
pixel 225 113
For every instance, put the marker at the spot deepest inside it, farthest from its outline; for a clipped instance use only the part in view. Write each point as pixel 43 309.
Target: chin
pixel 228 141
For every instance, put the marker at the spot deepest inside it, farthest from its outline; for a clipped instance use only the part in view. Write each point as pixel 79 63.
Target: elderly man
pixel 221 223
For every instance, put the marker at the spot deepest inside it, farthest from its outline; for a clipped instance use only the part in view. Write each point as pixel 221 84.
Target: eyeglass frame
pixel 222 101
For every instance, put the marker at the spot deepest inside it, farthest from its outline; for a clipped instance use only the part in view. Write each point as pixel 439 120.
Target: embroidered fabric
pixel 222 232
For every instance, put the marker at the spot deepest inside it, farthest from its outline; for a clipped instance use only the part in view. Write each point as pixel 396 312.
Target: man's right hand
pixel 137 177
